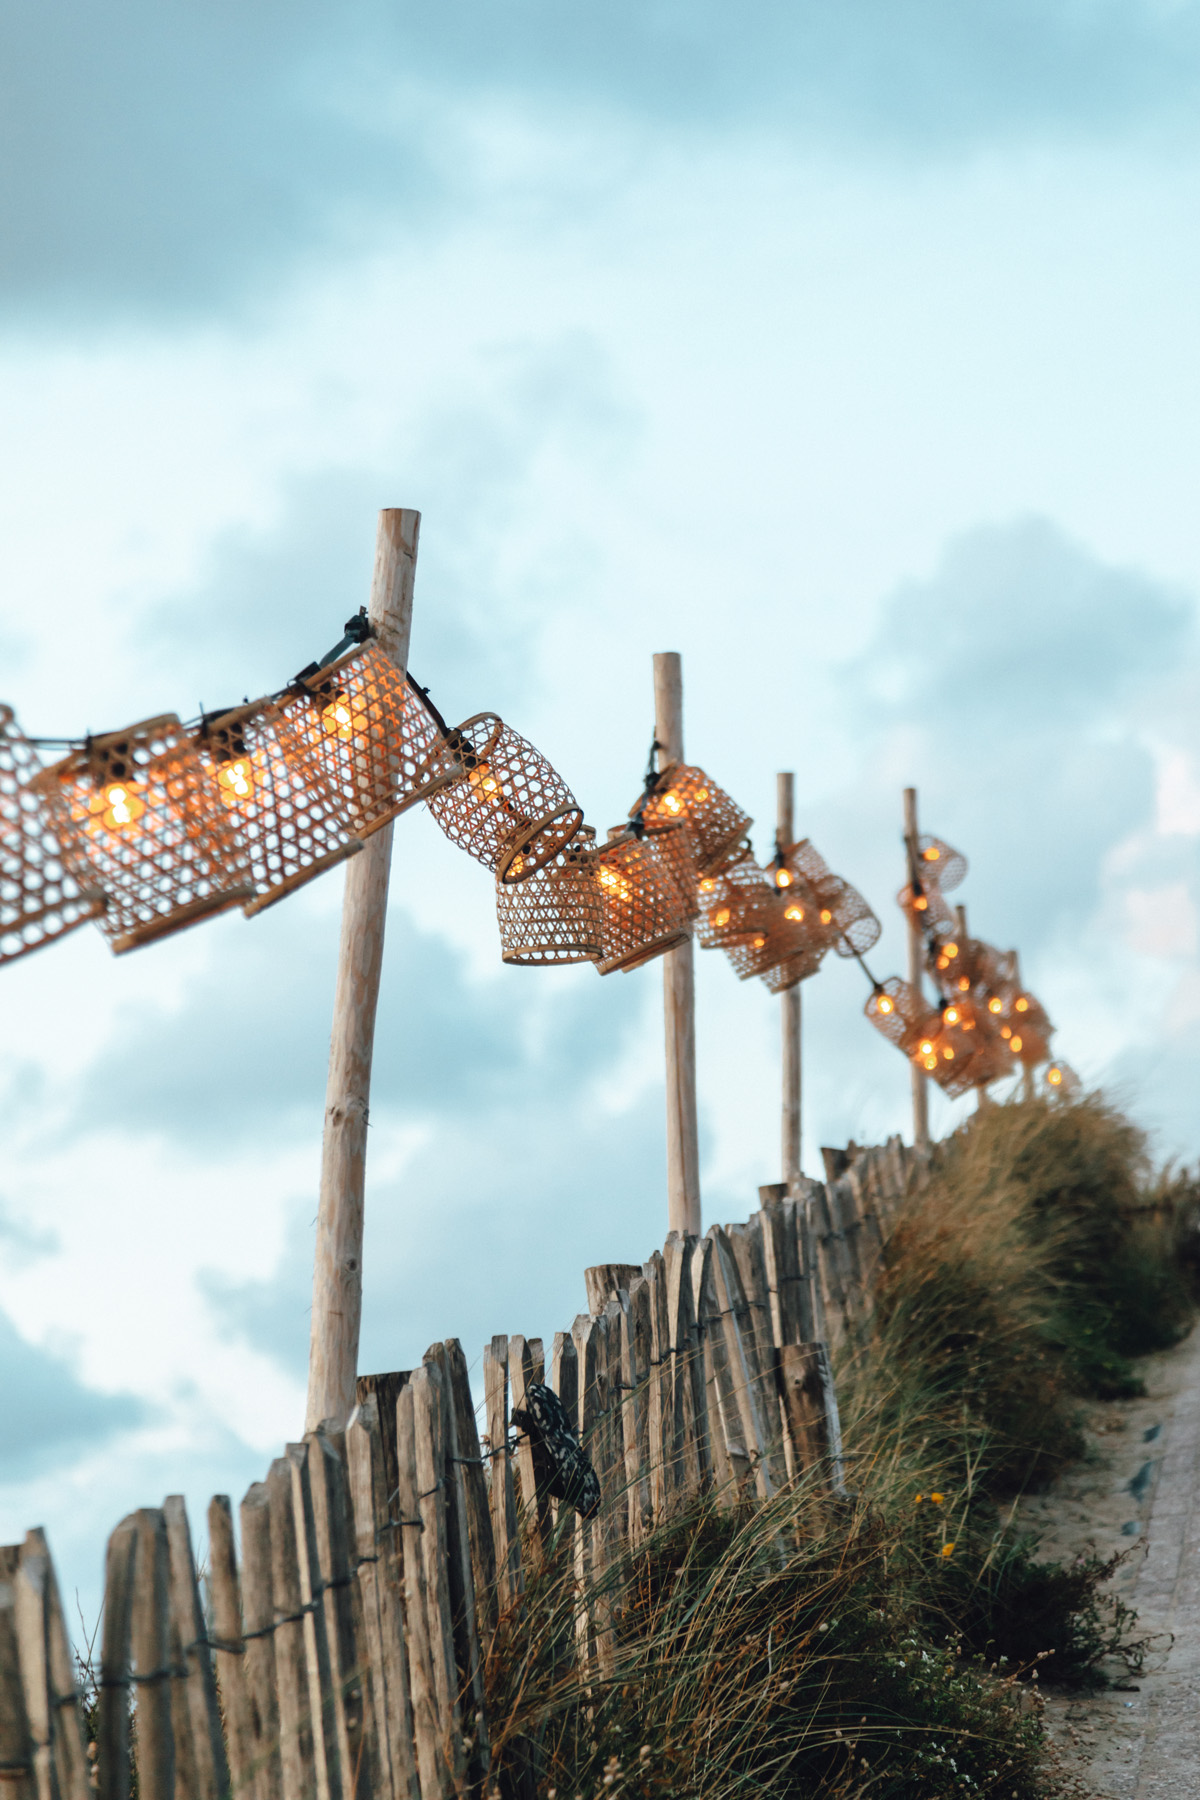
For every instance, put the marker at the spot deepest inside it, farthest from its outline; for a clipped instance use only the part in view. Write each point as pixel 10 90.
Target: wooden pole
pixel 337 1270
pixel 679 992
pixel 920 1091
pixel 790 1006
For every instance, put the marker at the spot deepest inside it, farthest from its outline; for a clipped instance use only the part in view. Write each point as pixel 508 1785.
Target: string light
pixel 235 781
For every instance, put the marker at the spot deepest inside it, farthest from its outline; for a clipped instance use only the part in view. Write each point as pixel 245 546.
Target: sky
pixel 849 349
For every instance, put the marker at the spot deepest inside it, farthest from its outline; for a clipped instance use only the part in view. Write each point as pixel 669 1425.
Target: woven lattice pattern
pixel 840 909
pixel 676 847
pixel 717 823
pixel 137 816
pixel 906 1019
pixel 934 915
pixel 643 913
pixel 786 937
pixel 557 915
pixel 962 965
pixel 792 970
pixel 966 1052
pixel 939 862
pixel 39 899
pixel 293 825
pixel 734 906
pixel 511 811
pixel 369 735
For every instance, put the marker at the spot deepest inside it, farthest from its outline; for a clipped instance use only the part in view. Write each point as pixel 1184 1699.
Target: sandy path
pixel 1139 1490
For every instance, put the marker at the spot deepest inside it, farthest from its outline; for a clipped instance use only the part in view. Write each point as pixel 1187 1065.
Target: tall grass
pixel 889 1646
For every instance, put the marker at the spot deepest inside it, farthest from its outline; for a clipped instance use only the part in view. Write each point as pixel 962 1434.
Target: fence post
pixel 337 1270
pixel 679 991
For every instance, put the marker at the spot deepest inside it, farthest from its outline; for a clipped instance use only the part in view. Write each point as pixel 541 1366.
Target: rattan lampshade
pixel 736 905
pixel 557 915
pixel 966 1052
pixel 792 970
pixel 967 965
pixel 938 862
pixel 137 816
pixel 643 913
pixel 293 824
pixel 369 735
pixel 933 914
pixel 841 911
pixel 716 823
pixel 903 1016
pixel 512 811
pixel 676 847
pixel 39 899
pixel 780 939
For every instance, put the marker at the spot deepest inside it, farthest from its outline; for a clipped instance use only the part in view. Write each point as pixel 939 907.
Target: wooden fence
pixel 343 1656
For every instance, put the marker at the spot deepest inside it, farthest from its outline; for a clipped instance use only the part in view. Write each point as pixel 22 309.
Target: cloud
pixel 176 162
pixel 48 1417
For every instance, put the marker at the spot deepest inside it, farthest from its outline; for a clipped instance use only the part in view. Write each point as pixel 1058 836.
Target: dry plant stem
pixel 337 1272
pixel 679 992
pixel 920 1087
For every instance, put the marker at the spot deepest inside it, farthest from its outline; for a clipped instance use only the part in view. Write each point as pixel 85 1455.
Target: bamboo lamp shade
pixel 735 906
pixel 780 939
pixel 643 913
pixel 965 964
pixel 39 899
pixel 369 736
pixel 510 810
pixel 676 847
pixel 940 863
pixel 717 824
pixel 137 816
pixel 931 912
pixel 293 824
pixel 904 1016
pixel 851 924
pixel 793 970
pixel 966 1052
pixel 557 915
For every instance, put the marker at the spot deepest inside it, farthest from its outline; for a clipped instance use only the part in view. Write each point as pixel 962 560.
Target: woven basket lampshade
pixel 964 964
pixel 939 863
pixel 717 824
pixel 676 847
pixel 137 815
pixel 735 906
pixel 369 735
pixel 933 914
pixel 557 915
pixel 784 937
pixel 39 899
pixel 792 970
pixel 967 1052
pixel 841 911
pixel 511 810
pixel 293 824
pixel 903 1016
pixel 643 913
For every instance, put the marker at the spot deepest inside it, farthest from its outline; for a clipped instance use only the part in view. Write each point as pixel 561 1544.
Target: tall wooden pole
pixel 790 1005
pixel 920 1090
pixel 679 992
pixel 337 1270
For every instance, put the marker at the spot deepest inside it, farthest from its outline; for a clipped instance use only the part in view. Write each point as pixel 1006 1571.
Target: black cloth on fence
pixel 571 1476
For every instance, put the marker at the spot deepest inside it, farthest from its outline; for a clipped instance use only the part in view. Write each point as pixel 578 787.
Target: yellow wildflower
pixel 937 1498
pixel 947 1549
pixel 918 1499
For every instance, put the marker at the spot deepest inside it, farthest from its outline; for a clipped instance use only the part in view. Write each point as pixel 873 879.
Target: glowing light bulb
pixel 483 781
pixel 826 916
pixel 931 1062
pixel 926 1049
pixel 964 982
pixel 995 1006
pixel 952 1015
pixel 1015 1045
pixel 235 781
pixel 1054 1077
pixel 794 913
pixel 951 949
pixel 615 885
pixel 920 903
pixel 721 918
pixel 886 1004
pixel 707 885
pixel 117 805
pixel 759 942
pixel 932 854
pixel 942 963
pixel 343 719
pixel 701 795
pixel 672 804
pixel 1022 1004
pixel 1006 1031
pixel 948 1053
pixel 782 878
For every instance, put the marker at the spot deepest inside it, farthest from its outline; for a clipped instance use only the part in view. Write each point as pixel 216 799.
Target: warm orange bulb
pixel 995 1006
pixel 672 804
pixel 759 942
pixel 615 885
pixel 886 1004
pixel 948 1053
pixel 721 918
pixel 1054 1077
pixel 926 1049
pixel 932 854
pixel 707 885
pixel 964 982
pixel 342 721
pixel 1022 1004
pixel 952 1015
pixel 701 795
pixel 795 914
pixel 782 878
pixel 117 805
pixel 931 1062
pixel 942 963
pixel 920 903
pixel 826 916
pixel 1015 1046
pixel 235 781
pixel 951 949
pixel 483 781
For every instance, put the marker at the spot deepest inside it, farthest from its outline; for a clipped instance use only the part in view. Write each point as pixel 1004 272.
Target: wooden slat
pixel 510 1579
pixel 264 1773
pixel 298 1743
pixel 599 1445
pixel 828 1259
pixel 468 1652
pixel 150 1637
pixel 803 1390
pixel 226 1596
pixel 380 1581
pixel 584 1331
pixel 474 1489
pixel 16 1736
pixel 727 1448
pixel 636 1351
pixel 531 1505
pixel 64 1720
pixel 746 1243
pixel 434 1772
pixel 194 1707
pixel 661 1421
pixel 741 1350
pixel 687 1456
pixel 348 1701
pixel 603 1281
pixel 385 1389
pixel 564 1379
pixel 112 1726
pixel 25 1574
pixel 429 1424
pixel 330 1773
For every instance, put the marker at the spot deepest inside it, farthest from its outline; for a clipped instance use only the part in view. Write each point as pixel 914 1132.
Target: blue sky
pixel 851 350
